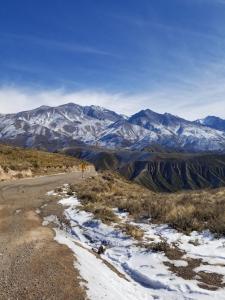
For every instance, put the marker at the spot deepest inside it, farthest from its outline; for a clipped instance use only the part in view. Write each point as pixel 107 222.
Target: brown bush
pixel 105 214
pixel 133 231
pixel 184 211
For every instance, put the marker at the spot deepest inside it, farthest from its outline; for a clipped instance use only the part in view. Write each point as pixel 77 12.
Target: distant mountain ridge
pixel 71 124
pixel 213 122
pixel 164 172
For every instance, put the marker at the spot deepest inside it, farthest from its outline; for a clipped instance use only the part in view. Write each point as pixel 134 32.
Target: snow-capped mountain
pixel 56 127
pixel 213 122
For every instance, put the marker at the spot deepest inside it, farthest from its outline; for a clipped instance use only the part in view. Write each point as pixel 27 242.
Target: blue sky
pixel 166 55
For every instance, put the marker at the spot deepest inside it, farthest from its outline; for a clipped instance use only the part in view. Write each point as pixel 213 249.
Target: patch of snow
pixel 50 219
pixel 102 282
pixel 209 249
pixel 180 263
pixel 148 276
pixel 71 201
pixel 212 269
pixel 51 193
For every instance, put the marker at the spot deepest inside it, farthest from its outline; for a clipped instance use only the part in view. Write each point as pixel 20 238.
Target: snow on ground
pixel 147 276
pixel 50 219
pixel 51 193
pixel 102 282
pixel 198 245
pixel 38 211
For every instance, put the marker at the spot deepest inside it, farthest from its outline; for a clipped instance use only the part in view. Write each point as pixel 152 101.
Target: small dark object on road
pixel 101 250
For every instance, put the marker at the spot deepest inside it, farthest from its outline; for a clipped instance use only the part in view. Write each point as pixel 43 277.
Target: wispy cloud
pixel 56 44
pixel 143 23
pixel 194 100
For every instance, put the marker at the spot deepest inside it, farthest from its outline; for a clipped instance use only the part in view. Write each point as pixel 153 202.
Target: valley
pixel 159 171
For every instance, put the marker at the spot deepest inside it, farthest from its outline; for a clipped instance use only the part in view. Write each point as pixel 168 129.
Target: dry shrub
pixel 88 196
pixel 171 251
pixel 105 214
pixel 70 192
pixel 184 211
pixel 133 231
pixel 181 216
pixel 157 247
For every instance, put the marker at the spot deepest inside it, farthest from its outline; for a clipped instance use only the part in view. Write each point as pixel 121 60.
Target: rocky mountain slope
pixel 167 172
pixel 53 128
pixel 213 122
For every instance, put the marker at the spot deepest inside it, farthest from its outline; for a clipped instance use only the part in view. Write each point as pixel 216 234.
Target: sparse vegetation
pixel 210 281
pixel 132 231
pixel 38 162
pixel 101 212
pixel 184 211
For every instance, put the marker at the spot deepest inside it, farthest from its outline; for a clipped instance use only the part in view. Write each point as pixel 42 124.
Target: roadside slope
pixel 18 162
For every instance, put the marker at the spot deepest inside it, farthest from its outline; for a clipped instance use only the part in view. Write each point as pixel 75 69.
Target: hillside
pixel 159 171
pixel 18 162
pixel 160 243
pixel 184 211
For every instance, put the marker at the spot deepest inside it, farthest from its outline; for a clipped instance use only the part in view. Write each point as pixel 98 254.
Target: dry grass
pixel 209 281
pixel 39 162
pixel 172 252
pixel 184 211
pixel 101 212
pixel 132 230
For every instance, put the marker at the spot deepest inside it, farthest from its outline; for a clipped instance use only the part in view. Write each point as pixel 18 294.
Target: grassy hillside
pixel 184 211
pixel 17 160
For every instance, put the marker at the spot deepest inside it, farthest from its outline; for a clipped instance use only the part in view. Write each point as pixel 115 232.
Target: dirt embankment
pixel 9 174
pixel 18 162
pixel 13 174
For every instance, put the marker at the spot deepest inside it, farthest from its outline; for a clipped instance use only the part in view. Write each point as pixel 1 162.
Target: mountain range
pixel 53 128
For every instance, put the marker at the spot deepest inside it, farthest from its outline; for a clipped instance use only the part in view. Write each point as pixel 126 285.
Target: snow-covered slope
pixel 128 270
pixel 213 122
pixel 69 123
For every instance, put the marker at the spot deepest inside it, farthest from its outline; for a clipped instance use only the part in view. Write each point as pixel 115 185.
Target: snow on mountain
pixel 173 131
pixel 68 123
pixel 213 122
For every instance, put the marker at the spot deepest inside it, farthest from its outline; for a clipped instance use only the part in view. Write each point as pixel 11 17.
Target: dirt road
pixel 32 265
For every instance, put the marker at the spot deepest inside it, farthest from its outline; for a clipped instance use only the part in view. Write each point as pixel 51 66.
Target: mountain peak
pixel 70 104
pixel 212 122
pixel 71 123
pixel 43 107
pixel 97 107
